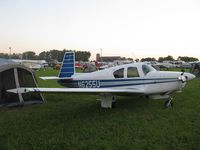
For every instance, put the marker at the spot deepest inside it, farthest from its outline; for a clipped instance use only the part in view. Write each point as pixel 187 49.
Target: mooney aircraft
pixel 126 80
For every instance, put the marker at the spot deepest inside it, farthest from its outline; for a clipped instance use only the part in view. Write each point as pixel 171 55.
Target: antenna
pixel 134 56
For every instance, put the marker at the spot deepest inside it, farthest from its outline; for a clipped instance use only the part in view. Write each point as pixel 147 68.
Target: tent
pixel 14 75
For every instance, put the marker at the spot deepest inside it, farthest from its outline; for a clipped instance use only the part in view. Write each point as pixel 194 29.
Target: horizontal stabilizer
pixel 54 78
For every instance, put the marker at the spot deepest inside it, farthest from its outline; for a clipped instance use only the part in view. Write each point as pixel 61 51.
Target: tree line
pixel 48 55
pixel 81 56
pixel 170 58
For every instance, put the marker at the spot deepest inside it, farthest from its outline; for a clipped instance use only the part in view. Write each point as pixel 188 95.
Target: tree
pixel 55 55
pixel 29 55
pixel 131 59
pixel 42 56
pixel 160 59
pixel 12 56
pixel 168 58
pixel 58 55
pixel 123 58
pixel 4 55
pixel 187 59
pixel 15 56
pixel 148 59
pixel 82 55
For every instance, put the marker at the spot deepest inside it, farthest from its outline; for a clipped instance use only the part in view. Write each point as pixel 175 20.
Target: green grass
pixel 47 83
pixel 76 121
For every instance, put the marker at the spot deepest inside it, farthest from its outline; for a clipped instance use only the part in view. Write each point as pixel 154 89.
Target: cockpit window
pixel 147 68
pixel 119 73
pixel 132 72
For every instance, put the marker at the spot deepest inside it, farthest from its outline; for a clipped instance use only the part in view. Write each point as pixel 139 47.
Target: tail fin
pixel 68 65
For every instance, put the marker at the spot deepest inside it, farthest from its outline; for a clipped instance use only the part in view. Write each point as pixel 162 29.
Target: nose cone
pixel 189 76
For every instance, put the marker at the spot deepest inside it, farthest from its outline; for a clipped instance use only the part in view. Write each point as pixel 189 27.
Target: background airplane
pixel 136 79
pixel 33 64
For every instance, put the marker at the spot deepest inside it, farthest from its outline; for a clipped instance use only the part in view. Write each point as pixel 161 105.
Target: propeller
pixel 182 77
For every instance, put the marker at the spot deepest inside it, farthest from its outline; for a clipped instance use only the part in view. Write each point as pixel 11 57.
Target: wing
pixel 117 91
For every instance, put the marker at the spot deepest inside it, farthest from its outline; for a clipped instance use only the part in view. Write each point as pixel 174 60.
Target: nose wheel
pixel 169 103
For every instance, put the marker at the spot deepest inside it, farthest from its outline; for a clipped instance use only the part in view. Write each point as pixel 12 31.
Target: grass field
pixel 75 121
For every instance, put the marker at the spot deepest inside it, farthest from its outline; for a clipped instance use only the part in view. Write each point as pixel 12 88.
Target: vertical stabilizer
pixel 68 65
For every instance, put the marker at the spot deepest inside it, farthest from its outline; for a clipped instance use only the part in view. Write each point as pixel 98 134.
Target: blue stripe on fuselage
pixel 114 82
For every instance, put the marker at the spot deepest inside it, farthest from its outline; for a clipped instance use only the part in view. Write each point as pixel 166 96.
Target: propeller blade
pixel 183 78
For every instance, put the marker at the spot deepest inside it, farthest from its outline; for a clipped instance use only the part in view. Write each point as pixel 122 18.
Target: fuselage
pixel 131 76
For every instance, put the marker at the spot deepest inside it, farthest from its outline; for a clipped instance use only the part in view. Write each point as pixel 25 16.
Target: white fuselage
pixel 133 76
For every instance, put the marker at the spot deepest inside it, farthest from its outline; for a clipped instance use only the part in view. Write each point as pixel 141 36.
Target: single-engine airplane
pixel 126 80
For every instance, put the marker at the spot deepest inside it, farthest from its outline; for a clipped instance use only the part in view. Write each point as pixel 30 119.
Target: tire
pixel 168 104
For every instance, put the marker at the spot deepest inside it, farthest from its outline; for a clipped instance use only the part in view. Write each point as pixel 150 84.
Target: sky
pixel 128 28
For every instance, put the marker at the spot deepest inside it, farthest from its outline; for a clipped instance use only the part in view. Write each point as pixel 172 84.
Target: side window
pixel 119 73
pixel 132 72
pixel 146 69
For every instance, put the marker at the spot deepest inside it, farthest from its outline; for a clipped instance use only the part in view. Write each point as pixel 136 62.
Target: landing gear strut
pixel 107 100
pixel 169 103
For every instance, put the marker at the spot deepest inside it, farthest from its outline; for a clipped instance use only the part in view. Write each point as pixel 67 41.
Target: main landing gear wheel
pixel 169 103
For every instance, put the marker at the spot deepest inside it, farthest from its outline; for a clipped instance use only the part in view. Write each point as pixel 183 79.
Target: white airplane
pixel 126 80
pixel 33 64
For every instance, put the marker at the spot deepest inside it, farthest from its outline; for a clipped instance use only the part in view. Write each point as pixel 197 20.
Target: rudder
pixel 68 65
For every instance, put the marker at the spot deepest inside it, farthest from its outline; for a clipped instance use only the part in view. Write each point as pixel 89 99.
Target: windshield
pixel 147 68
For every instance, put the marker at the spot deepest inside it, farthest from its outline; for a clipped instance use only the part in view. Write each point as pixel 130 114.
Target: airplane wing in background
pixel 117 91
